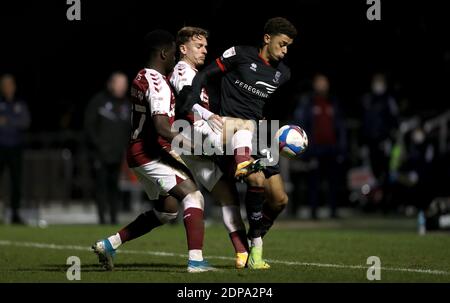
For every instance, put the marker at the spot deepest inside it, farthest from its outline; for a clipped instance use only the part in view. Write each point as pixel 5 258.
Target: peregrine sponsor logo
pixel 270 88
pixel 251 89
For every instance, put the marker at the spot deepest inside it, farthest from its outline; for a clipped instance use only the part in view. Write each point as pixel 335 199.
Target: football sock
pixel 254 202
pixel 194 225
pixel 236 229
pixel 242 154
pixel 195 255
pixel 144 223
pixel 257 242
pixel 239 240
pixel 242 145
pixel 195 228
pixel 269 216
pixel 115 240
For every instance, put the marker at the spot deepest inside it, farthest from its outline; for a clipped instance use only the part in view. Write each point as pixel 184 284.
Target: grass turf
pixel 298 253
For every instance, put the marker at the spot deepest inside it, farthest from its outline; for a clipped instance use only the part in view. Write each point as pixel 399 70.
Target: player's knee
pixel 283 200
pixel 247 124
pixel 238 124
pixel 256 179
pixel 167 205
pixel 279 200
pixel 241 124
pixel 194 199
pixel 165 217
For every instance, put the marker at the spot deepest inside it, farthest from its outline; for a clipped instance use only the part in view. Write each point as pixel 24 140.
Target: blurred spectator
pixel 412 168
pixel 14 120
pixel 378 130
pixel 107 127
pixel 319 114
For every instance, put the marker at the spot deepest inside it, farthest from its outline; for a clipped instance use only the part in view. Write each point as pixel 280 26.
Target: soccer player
pixel 250 76
pixel 192 45
pixel 149 156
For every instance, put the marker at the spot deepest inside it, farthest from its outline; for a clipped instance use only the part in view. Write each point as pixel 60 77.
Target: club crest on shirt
pixel 277 77
pixel 229 52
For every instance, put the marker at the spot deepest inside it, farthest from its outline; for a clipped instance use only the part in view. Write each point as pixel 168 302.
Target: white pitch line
pixel 167 254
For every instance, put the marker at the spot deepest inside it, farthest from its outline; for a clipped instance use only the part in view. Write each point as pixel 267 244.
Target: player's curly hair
pixel 157 40
pixel 188 32
pixel 280 25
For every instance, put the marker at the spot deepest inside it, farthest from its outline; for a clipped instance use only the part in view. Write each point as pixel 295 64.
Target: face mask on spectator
pixel 378 87
pixel 418 136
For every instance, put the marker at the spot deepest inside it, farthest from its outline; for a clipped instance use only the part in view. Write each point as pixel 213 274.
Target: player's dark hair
pixel 158 40
pixel 189 32
pixel 280 25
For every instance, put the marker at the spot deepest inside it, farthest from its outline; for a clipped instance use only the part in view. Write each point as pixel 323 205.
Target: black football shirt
pixel 249 82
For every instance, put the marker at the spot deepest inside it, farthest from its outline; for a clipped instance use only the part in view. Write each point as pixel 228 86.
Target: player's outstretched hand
pixel 216 123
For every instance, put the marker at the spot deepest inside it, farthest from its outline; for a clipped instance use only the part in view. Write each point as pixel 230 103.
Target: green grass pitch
pixel 296 253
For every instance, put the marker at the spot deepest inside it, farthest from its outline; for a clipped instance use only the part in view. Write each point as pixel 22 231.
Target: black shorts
pixel 226 164
pixel 269 171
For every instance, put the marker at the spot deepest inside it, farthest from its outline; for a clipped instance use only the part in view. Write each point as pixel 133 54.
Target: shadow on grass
pixel 125 267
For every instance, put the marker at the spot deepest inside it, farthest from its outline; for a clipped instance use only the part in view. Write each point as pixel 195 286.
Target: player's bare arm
pixel 163 128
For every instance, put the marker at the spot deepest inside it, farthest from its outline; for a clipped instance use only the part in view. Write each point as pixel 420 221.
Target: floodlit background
pixel 389 158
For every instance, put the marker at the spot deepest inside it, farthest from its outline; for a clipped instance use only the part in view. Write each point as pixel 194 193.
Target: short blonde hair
pixel 189 32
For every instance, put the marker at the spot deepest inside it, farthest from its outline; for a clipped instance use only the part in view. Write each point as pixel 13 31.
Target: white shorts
pixel 205 171
pixel 158 178
pixel 210 138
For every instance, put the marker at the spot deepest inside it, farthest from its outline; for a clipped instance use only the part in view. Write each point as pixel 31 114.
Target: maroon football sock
pixel 239 240
pixel 143 224
pixel 254 199
pixel 195 227
pixel 242 154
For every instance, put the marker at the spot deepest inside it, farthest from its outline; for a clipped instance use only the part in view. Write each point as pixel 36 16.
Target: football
pixel 292 140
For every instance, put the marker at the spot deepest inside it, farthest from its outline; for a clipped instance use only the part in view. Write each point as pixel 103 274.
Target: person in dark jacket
pixel 107 120
pixel 14 120
pixel 319 114
pixel 380 122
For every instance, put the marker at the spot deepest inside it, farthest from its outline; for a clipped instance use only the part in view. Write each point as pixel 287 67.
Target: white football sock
pixel 232 218
pixel 195 255
pixel 257 242
pixel 115 241
pixel 242 138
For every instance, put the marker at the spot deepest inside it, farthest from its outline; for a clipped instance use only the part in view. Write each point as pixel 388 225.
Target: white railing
pixel 441 123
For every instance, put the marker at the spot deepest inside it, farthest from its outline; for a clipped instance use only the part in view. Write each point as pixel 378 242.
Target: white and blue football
pixel 292 140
